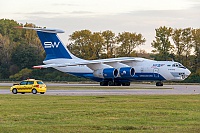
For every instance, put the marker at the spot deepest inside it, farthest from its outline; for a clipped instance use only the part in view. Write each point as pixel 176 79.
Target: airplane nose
pixel 187 73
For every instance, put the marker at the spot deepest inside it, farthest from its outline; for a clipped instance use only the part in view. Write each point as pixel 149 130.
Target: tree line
pixel 106 44
pixel 21 49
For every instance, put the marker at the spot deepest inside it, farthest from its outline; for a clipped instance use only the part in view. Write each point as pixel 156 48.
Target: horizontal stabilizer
pixel 47 30
pixel 50 65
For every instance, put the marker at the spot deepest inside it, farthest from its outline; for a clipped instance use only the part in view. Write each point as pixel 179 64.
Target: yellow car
pixel 29 86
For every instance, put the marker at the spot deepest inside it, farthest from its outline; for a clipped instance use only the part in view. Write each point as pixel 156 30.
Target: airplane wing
pixel 92 62
pixel 120 59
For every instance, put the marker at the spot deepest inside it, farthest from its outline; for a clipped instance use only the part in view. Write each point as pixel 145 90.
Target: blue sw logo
pixel 51 44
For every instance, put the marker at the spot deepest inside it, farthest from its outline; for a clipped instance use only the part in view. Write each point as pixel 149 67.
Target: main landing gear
pixel 114 83
pixel 159 83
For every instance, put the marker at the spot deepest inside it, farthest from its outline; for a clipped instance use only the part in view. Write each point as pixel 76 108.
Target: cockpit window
pixel 179 65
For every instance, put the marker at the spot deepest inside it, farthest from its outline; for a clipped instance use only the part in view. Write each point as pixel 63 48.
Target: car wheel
pixel 14 91
pixel 41 92
pixel 34 91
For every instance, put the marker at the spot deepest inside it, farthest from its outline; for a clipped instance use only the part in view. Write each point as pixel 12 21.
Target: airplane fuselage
pixel 146 69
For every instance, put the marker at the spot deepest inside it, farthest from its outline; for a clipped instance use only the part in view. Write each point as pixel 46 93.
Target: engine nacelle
pixel 106 73
pixel 126 72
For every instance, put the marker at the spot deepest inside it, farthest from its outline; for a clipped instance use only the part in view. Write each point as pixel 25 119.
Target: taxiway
pixel 146 90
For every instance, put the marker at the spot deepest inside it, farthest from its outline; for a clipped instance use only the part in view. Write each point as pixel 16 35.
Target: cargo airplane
pixel 109 72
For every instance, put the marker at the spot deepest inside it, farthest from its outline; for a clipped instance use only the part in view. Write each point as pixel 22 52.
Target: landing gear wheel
pixel 159 83
pixel 111 83
pixel 34 91
pixel 103 83
pixel 117 83
pixel 126 84
pixel 14 91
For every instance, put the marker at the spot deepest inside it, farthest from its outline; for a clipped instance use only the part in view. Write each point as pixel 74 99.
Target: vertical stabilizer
pixel 52 45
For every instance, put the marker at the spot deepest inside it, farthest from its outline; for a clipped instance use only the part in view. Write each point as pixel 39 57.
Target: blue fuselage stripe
pixel 137 76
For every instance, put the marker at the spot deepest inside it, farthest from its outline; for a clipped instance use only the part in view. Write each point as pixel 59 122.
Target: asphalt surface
pixel 165 90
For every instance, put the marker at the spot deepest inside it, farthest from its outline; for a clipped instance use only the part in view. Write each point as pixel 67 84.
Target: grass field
pixel 61 114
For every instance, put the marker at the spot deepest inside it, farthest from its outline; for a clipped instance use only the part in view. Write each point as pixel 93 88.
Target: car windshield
pixel 40 82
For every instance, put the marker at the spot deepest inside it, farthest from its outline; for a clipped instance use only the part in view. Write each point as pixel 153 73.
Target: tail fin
pixel 52 45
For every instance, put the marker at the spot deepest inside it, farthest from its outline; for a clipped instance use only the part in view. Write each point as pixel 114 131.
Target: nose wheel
pixel 159 83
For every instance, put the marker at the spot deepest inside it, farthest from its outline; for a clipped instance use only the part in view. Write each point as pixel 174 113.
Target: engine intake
pixel 106 73
pixel 126 72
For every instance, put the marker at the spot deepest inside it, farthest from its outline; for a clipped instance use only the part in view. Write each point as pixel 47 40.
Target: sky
pixel 140 16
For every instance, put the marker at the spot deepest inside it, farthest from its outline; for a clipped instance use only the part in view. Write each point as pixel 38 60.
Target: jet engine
pixel 126 72
pixel 106 73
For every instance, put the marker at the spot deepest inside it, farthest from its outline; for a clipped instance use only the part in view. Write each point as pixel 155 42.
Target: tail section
pixel 53 47
pixel 51 43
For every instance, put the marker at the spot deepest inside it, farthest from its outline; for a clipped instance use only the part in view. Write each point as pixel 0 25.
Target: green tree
pixel 162 43
pixel 7 28
pixel 96 45
pixel 179 47
pixel 128 41
pixel 30 38
pixel 196 45
pixel 8 37
pixel 186 39
pixel 80 44
pixel 23 74
pixel 25 56
pixel 109 43
pixel 29 35
pixel 6 48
